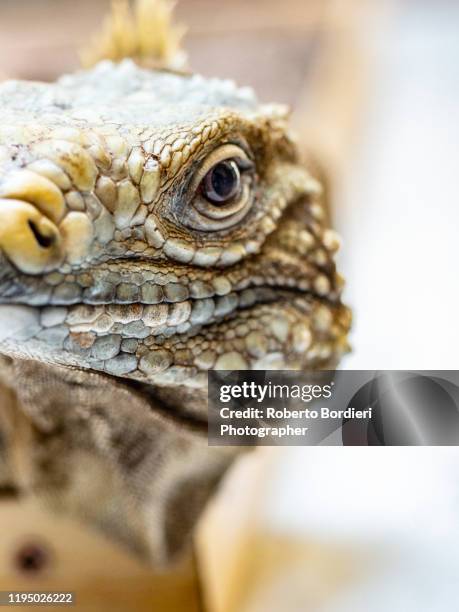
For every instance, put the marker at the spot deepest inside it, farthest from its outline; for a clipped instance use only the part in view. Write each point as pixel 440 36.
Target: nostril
pixel 44 240
pixel 30 240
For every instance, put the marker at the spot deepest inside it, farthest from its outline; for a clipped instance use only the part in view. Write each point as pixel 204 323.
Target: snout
pixel 36 234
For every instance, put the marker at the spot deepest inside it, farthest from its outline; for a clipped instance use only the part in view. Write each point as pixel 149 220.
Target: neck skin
pixel 86 444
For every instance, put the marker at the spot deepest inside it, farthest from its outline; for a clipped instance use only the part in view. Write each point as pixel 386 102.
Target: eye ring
pixel 208 211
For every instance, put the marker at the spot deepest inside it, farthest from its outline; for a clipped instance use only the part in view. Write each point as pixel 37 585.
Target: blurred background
pixel 374 90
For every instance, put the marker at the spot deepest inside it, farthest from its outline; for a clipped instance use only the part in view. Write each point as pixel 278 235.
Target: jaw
pixel 297 332
pixel 254 328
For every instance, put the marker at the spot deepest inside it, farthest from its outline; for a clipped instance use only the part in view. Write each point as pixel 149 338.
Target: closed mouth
pixel 167 314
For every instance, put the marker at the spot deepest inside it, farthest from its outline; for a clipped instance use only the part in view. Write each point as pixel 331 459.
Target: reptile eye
pixel 222 183
pixel 221 191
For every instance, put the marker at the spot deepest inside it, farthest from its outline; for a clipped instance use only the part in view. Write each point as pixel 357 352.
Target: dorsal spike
pixel 144 32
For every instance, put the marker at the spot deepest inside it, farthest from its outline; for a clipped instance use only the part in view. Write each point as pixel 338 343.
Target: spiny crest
pixel 144 32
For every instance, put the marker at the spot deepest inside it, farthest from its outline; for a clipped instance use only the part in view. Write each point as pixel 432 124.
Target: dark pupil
pixel 223 182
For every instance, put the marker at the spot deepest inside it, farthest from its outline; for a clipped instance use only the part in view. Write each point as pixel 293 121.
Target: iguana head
pixel 156 225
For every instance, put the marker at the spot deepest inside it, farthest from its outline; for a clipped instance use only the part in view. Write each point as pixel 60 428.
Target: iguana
pixel 154 224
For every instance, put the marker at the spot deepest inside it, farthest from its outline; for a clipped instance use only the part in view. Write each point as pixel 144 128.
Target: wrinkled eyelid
pixel 222 153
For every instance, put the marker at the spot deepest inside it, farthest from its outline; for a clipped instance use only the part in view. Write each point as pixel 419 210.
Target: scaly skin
pixel 108 262
pixel 103 161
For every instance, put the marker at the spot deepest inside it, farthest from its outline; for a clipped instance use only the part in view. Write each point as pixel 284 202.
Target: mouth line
pixel 252 295
pixel 12 292
pixel 178 319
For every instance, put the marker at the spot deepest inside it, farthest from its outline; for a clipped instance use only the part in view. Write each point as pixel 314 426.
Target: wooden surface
pixel 104 577
pixel 250 565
